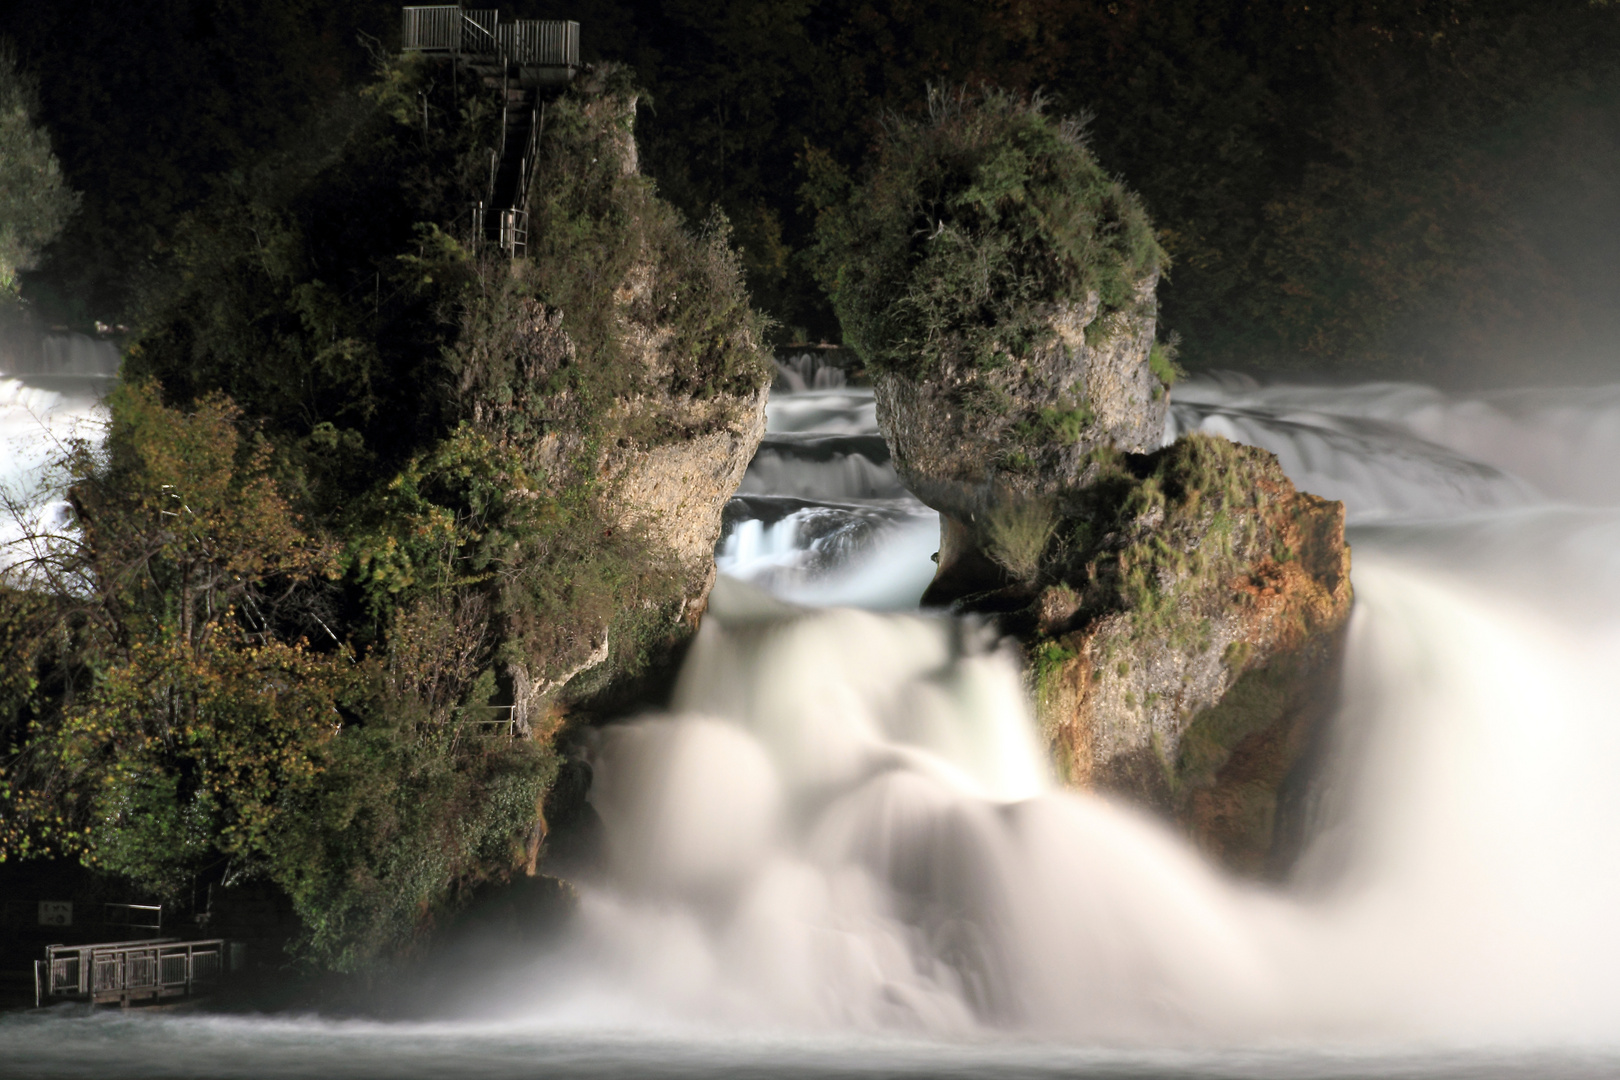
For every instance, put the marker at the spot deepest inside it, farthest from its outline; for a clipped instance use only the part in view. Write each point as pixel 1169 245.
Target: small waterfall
pixel 73 354
pixel 821 517
pixel 808 371
pixel 51 387
pixel 830 467
pixel 1396 450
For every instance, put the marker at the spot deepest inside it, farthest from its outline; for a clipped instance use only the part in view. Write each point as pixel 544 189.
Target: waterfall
pixel 51 388
pixel 844 822
pixel 821 517
pixel 838 852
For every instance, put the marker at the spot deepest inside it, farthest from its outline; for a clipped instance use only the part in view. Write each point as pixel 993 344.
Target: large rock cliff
pixel 1181 607
pixel 643 378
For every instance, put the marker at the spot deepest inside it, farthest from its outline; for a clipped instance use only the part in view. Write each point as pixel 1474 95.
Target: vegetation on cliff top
pixel 1403 188
pixel 350 499
pixel 1145 534
pixel 973 224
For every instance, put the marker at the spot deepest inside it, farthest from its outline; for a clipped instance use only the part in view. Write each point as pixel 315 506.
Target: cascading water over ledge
pixel 838 851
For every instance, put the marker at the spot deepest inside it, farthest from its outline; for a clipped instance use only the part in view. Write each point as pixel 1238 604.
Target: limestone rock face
pixel 968 439
pixel 674 487
pixel 1188 664
pixel 678 490
pixel 956 437
pixel 639 377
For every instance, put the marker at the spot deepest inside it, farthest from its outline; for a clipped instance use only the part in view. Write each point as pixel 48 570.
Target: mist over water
pixel 839 852
pixel 1465 830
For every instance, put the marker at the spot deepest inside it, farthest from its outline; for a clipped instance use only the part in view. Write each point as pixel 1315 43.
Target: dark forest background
pixel 1419 188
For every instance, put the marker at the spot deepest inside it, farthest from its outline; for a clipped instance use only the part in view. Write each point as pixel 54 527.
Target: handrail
pixel 531 154
pixel 511 221
pixel 473 24
pixel 450 28
pixel 129 915
pixel 432 28
pixel 128 970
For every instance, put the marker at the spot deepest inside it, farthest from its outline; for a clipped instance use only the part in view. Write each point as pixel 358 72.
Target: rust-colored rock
pixel 1194 675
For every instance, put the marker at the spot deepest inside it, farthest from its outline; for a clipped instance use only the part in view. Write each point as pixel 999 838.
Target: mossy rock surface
pixel 1000 286
pixel 1184 636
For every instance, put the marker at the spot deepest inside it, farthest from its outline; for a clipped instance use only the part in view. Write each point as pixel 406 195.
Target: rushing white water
pixel 838 853
pixel 824 831
pixel 50 393
pixel 822 518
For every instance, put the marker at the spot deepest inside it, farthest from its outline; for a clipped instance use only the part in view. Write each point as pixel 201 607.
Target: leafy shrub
pixel 597 224
pixel 1162 362
pixel 971 225
pixel 34 201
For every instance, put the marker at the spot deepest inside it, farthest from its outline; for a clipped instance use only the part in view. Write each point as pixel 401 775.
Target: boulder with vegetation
pixel 1184 624
pixel 1181 607
pixel 380 512
pixel 1000 286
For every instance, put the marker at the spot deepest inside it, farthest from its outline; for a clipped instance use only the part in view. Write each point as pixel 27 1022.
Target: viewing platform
pixel 522 58
pixel 537 52
pixel 124 972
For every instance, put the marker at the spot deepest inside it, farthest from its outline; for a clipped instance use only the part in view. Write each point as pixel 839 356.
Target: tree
pixel 35 203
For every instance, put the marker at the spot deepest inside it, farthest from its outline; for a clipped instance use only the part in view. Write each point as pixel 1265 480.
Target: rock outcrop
pixel 1189 649
pixel 1181 607
pixel 694 411
pixel 969 439
pixel 1072 393
pixel 623 362
pixel 678 491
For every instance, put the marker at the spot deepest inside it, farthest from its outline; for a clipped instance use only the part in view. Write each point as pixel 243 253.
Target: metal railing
pixel 515 242
pixel 449 28
pixel 546 44
pixel 531 156
pixel 126 971
pixel 495 720
pixel 479 31
pixel 134 916
pixel 432 29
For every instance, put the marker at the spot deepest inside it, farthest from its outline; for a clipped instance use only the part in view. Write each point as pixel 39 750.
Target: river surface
pixel 840 854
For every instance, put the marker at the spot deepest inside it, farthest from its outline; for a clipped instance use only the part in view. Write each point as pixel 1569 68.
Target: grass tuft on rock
pixel 1018 534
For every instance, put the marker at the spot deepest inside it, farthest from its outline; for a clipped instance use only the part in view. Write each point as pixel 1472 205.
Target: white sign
pixel 56 913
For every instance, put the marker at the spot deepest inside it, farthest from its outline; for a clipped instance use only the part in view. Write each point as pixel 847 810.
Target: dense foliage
pixel 34 202
pixel 347 544
pixel 1345 184
pixel 973 225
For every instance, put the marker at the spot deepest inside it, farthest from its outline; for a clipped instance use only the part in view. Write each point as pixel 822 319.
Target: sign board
pixel 56 913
